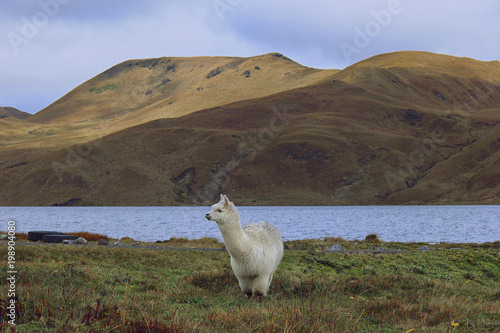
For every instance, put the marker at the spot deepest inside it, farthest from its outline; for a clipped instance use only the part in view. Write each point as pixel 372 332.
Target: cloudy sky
pixel 48 47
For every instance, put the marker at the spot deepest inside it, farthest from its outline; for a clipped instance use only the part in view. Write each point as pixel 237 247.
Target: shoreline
pixel 434 224
pixel 327 245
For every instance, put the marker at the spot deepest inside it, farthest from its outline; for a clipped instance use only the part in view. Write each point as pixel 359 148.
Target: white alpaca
pixel 256 249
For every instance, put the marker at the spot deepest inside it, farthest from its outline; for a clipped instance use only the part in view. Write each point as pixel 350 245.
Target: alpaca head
pixel 223 212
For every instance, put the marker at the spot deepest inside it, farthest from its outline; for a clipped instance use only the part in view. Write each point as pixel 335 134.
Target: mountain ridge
pixel 373 133
pixel 197 74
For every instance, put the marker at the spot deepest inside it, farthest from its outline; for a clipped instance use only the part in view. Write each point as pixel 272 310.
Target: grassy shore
pixel 64 288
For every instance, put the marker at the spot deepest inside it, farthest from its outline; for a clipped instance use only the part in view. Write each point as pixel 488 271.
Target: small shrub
pixel 373 238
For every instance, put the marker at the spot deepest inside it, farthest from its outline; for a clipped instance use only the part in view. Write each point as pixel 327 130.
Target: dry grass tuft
pixel 22 235
pixel 204 242
pixel 313 244
pixel 213 281
pixel 91 237
pixel 19 235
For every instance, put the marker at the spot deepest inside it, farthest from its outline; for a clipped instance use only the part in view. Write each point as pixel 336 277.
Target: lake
pixel 431 224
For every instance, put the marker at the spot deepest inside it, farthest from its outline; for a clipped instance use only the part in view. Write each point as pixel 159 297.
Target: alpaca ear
pixel 226 201
pixel 221 197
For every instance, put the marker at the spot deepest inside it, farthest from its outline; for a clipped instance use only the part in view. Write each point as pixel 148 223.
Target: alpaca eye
pixel 219 210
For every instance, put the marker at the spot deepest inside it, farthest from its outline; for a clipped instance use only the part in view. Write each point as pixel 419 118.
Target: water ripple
pixel 391 223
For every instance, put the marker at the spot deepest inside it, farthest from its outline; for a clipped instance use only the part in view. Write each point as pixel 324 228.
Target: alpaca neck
pixel 235 239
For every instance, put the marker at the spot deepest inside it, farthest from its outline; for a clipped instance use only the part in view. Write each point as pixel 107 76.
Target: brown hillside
pixel 378 132
pixel 8 112
pixel 144 90
pixel 138 91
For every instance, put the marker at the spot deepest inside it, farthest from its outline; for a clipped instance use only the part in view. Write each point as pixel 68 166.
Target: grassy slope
pixel 138 91
pixel 93 289
pixel 8 112
pixel 400 128
pixel 329 136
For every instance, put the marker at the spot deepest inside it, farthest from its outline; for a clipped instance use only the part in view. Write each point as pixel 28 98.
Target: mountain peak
pixel 439 63
pixel 173 86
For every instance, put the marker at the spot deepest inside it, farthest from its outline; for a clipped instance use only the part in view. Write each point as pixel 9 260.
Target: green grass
pixel 100 289
pixel 98 90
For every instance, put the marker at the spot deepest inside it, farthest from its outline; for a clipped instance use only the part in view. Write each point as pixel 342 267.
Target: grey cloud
pixel 86 37
pixel 79 10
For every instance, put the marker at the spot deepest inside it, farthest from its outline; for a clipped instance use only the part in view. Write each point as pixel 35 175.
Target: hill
pixel 8 112
pixel 402 128
pixel 138 91
pixel 142 90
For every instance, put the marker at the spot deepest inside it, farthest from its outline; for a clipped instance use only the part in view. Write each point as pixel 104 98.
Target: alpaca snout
pixel 208 216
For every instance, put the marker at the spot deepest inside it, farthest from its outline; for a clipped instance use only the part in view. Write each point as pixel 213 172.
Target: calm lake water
pixel 392 223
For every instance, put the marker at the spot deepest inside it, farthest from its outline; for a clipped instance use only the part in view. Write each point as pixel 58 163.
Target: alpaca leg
pixel 269 282
pixel 258 295
pixel 260 287
pixel 246 287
